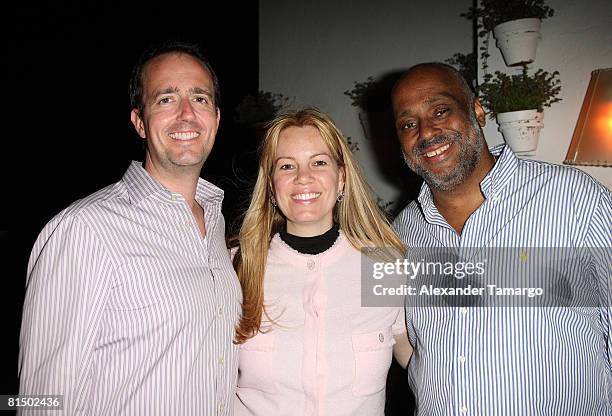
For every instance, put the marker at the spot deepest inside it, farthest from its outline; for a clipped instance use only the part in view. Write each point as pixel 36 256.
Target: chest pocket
pixel 149 293
pixel 256 369
pixel 373 354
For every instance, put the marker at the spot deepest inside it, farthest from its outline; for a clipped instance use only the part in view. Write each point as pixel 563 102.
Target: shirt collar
pixel 141 185
pixel 425 197
pixel 497 178
pixel 503 170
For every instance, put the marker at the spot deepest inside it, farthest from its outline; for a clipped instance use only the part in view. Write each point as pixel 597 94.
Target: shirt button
pixel 495 198
pixel 463 311
pixel 221 360
pixel 461 359
pixel 381 337
pixel 220 311
pixel 310 264
pixel 463 410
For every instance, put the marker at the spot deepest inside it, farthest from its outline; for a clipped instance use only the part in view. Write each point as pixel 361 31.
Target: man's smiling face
pixel 180 118
pixel 438 125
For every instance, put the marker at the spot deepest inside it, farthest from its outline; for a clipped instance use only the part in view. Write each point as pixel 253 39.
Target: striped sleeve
pixel 599 239
pixel 68 280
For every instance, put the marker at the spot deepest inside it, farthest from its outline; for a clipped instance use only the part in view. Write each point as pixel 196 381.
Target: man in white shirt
pixel 132 301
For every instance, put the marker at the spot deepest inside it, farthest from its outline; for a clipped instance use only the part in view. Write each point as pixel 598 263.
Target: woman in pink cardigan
pixel 308 347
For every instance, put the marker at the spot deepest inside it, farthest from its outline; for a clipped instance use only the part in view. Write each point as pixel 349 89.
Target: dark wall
pixel 68 133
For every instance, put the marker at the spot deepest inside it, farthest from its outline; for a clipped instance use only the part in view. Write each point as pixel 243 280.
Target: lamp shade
pixel 592 140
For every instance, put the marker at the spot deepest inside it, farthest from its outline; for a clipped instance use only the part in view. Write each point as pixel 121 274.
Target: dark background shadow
pixel 378 123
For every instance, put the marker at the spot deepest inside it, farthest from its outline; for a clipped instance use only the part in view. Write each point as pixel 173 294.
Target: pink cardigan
pixel 324 354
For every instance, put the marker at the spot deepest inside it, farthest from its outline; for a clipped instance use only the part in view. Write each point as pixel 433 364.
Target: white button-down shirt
pixel 128 308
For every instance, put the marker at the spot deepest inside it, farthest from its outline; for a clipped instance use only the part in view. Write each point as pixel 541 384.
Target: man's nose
pixel 427 130
pixel 186 110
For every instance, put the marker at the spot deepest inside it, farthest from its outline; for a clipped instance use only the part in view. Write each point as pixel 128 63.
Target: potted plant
pixel 256 110
pixel 365 95
pixel 372 98
pixel 466 65
pixel 515 25
pixel 518 102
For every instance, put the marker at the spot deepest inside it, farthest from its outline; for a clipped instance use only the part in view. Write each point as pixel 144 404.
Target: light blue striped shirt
pixel 516 360
pixel 128 309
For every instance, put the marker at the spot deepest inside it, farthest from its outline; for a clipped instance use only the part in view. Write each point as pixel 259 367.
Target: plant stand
pixel 518 40
pixel 521 130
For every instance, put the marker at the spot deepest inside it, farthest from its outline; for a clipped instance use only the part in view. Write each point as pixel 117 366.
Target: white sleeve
pixel 67 287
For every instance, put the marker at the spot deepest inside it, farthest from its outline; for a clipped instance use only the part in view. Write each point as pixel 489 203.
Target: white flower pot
pixel 518 39
pixel 521 129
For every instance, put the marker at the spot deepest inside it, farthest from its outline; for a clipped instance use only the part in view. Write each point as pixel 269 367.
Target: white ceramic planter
pixel 521 129
pixel 518 40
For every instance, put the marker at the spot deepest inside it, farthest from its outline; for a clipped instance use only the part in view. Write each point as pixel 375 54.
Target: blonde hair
pixel 359 217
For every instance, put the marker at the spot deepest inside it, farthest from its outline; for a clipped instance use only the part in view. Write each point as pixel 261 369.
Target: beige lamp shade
pixel 592 140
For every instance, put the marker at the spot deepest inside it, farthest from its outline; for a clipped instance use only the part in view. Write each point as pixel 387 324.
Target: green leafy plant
pixel 501 92
pixel 466 65
pixel 260 108
pixel 353 145
pixel 386 207
pixel 490 13
pixel 369 95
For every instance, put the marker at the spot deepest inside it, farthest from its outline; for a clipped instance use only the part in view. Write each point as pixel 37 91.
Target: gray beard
pixel 469 156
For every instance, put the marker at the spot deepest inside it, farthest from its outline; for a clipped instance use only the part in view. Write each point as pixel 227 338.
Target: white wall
pixel 575 41
pixel 315 50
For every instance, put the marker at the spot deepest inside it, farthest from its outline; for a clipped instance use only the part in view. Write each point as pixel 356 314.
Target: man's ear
pixel 138 123
pixel 480 113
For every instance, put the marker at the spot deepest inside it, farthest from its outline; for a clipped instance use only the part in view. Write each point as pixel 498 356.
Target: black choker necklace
pixel 311 245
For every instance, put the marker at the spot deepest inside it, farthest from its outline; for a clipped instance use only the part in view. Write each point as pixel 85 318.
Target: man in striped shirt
pixel 132 300
pixel 510 360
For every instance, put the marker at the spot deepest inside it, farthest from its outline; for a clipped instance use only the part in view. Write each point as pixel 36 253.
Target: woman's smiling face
pixel 306 181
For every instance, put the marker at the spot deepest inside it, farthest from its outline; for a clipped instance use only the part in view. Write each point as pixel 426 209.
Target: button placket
pixel 461 359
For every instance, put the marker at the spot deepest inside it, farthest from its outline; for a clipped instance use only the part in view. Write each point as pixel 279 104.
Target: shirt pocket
pixel 256 365
pixel 373 354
